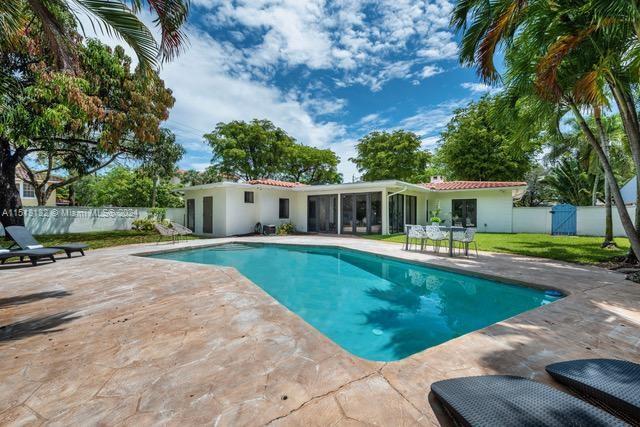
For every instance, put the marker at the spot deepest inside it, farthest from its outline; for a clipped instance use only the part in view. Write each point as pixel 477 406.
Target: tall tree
pixel 251 150
pixel 391 155
pixel 571 56
pixel 159 160
pixel 78 124
pixel 193 177
pixel 570 182
pixel 310 165
pixel 476 146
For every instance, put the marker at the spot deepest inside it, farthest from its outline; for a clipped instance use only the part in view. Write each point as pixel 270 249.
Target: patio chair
pixel 25 240
pixel 34 255
pixel 181 229
pixel 165 231
pixel 503 400
pixel 436 235
pixel 613 384
pixel 465 238
pixel 415 233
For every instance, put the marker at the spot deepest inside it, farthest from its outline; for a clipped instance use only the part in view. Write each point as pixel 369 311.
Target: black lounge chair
pixel 25 240
pixel 501 400
pixel 34 255
pixel 612 384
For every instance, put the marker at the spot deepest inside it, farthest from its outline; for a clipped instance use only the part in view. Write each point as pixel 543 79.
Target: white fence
pixel 590 220
pixel 60 220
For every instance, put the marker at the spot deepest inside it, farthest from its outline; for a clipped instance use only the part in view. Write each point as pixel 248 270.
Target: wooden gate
pixel 563 220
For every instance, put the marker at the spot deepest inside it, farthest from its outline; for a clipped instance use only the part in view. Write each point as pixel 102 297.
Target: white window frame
pixel 23 192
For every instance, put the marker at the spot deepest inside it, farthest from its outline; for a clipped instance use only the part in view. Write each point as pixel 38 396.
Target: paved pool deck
pixel 115 339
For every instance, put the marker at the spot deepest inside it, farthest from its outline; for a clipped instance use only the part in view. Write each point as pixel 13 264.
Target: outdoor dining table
pixel 449 229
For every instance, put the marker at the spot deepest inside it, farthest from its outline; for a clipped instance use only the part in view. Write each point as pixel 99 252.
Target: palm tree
pixel 113 17
pixel 571 55
pixel 570 182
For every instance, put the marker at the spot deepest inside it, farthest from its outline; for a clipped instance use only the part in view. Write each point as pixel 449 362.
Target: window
pixel 28 191
pixel 284 209
pixel 248 196
pixel 463 212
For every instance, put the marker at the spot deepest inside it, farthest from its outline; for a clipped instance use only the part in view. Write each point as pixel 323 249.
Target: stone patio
pixel 115 339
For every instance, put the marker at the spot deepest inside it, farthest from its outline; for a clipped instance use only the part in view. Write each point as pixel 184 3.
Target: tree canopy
pixel 392 155
pixel 74 123
pixel 124 187
pixel 258 149
pixel 476 146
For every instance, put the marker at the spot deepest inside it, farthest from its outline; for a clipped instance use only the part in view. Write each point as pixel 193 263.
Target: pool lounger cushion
pixel 33 254
pixel 502 400
pixel 613 383
pixel 26 241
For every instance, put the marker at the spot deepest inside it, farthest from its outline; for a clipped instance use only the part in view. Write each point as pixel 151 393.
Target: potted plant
pixel 435 217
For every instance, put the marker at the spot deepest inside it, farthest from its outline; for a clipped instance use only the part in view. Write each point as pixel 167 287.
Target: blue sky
pixel 327 72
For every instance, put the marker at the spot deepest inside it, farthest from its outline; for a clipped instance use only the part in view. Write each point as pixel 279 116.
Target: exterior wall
pixel 242 217
pixel 629 191
pixel 219 209
pixel 32 201
pixel 494 207
pixel 590 220
pixel 72 219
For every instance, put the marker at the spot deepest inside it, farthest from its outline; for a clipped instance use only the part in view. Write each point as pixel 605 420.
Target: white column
pixel 339 224
pixel 385 212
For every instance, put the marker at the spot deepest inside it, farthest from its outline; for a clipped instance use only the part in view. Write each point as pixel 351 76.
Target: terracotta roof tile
pixel 471 185
pixel 275 183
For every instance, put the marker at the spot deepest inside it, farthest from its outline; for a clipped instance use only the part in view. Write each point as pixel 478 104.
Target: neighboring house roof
pixel 275 183
pixel 471 185
pixel 22 175
pixel 629 191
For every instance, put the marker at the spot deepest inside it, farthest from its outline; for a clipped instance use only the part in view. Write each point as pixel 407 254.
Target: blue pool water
pixel 374 307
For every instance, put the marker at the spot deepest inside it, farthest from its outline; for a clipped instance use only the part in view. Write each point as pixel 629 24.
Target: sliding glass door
pixel 322 214
pixel 396 213
pixel 361 213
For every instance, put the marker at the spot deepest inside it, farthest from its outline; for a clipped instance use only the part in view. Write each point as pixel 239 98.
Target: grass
pixel 580 249
pixel 103 239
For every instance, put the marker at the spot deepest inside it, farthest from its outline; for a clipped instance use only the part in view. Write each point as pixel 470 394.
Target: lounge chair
pixel 613 384
pixel 165 231
pixel 181 229
pixel 34 255
pixel 25 240
pixel 500 400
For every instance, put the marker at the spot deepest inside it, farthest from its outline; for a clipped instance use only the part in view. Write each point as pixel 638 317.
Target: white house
pixel 234 208
pixel 629 191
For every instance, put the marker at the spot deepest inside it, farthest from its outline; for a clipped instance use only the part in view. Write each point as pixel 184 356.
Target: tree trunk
pixel 72 195
pixel 629 116
pixel 10 203
pixel 608 220
pixel 594 190
pixel 625 218
pixel 154 191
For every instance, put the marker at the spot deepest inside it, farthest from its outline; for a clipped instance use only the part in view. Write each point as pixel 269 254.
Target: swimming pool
pixel 375 307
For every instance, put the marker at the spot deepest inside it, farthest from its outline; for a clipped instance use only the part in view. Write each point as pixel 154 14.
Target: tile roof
pixel 275 183
pixel 471 185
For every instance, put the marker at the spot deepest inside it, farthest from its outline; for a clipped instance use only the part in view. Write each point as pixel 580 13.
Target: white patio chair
pixel 438 236
pixel 415 233
pixel 466 239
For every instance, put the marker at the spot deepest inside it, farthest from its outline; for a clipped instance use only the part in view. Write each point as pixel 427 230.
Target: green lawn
pixel 102 239
pixel 565 248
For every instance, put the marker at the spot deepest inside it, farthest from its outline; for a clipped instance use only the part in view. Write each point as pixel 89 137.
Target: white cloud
pixel 479 88
pixel 370 42
pixel 430 70
pixel 430 121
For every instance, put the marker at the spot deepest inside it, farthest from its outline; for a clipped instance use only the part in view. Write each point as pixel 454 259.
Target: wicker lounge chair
pixel 181 229
pixel 498 400
pixel 25 241
pixel 34 255
pixel 165 231
pixel 613 384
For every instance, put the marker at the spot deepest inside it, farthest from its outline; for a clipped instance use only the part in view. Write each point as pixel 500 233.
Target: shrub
pixel 144 224
pixel 159 214
pixel 286 228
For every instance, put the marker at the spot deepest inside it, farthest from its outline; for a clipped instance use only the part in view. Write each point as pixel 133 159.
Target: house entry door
pixel 207 215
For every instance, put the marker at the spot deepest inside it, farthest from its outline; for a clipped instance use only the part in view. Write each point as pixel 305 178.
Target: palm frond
pixel 116 19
